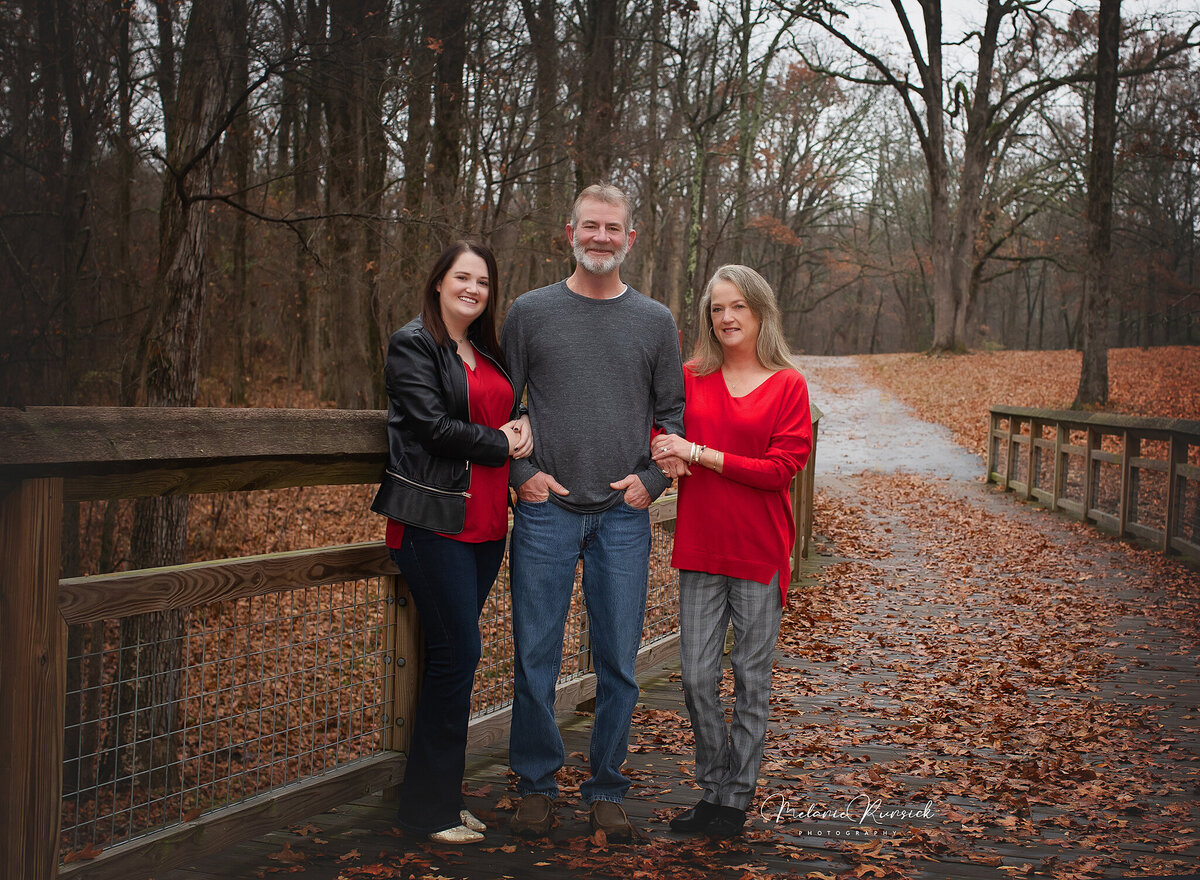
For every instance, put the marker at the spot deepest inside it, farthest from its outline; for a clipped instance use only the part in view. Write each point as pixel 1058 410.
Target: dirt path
pixel 865 429
pixel 1028 681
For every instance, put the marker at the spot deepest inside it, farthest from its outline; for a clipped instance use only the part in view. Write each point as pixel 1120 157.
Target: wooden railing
pixel 49 456
pixel 1137 477
pixel 53 455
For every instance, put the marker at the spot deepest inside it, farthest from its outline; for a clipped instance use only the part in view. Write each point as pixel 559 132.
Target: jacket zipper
pixel 404 479
pixel 467 385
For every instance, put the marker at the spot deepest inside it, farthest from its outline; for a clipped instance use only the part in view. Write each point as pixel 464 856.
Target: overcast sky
pixel 877 19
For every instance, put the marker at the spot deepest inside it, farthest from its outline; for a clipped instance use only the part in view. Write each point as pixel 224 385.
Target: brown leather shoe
pixel 609 817
pixel 534 816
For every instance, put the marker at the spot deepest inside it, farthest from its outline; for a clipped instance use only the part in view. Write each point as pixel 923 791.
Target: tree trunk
pixel 239 142
pixel 152 644
pixel 546 219
pixel 597 110
pixel 446 25
pixel 939 185
pixel 1093 376
pixel 351 109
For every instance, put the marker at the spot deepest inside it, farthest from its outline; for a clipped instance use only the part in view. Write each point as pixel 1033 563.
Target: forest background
pixel 202 202
pixel 234 202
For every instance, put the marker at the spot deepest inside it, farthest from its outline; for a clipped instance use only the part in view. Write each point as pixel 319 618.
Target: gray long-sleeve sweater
pixel 598 374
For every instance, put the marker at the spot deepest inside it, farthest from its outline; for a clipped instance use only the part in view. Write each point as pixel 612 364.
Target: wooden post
pixel 34 664
pixel 1089 488
pixel 991 446
pixel 1031 457
pixel 1178 456
pixel 1060 471
pixel 1131 447
pixel 403 682
pixel 810 469
pixel 1011 449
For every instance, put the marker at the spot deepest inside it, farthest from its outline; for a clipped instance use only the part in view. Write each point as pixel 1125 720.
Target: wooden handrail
pixel 125 452
pixel 1147 425
pixel 52 455
pixel 1130 463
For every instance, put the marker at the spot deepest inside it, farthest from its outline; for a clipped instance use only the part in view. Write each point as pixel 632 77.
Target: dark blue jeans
pixel 449 581
pixel 547 543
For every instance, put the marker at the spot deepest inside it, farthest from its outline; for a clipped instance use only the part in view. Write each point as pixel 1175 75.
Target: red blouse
pixel 490 395
pixel 739 523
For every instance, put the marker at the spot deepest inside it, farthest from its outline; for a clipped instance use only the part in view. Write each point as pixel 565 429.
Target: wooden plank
pixel 404 684
pixel 663 509
pixel 62 440
pixel 1104 520
pixel 1141 463
pixel 1100 455
pixel 1187 471
pixel 34 663
pixel 1149 533
pixel 214 832
pixel 1148 427
pixel 810 478
pixel 1073 507
pixel 124 594
pixel 1043 495
pixel 223 476
pixel 1186 547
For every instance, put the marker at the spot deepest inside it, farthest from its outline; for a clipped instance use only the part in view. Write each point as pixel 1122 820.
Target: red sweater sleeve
pixel 789 447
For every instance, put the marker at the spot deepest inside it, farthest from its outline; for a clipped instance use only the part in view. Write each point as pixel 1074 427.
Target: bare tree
pixel 196 111
pixel 1093 377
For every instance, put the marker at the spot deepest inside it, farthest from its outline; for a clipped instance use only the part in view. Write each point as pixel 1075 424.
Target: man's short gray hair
pixel 609 194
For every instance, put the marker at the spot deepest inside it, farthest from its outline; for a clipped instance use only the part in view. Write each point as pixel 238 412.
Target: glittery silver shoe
pixel 469 819
pixel 458 834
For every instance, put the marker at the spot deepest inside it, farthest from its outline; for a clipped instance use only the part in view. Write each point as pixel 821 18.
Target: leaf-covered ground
pixel 956 391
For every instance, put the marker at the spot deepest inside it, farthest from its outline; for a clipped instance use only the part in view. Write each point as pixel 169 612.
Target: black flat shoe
pixel 696 819
pixel 727 823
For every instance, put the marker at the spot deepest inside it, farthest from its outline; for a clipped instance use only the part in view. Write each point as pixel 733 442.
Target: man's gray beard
pixel 599 267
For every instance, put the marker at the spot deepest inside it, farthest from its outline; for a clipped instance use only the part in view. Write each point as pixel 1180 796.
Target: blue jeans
pixel 449 581
pixel 547 543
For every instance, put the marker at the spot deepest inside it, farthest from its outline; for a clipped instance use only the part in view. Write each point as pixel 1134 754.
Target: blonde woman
pixel 748 433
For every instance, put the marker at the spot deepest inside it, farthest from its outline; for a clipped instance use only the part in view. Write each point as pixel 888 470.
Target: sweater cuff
pixel 520 470
pixel 654 480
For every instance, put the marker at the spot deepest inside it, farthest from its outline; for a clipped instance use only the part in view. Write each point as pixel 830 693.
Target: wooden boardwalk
pixel 1027 688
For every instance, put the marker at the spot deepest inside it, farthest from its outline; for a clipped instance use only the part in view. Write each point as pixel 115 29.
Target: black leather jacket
pixel 431 438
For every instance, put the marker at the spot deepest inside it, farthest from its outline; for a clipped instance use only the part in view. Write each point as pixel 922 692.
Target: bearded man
pixel 599 364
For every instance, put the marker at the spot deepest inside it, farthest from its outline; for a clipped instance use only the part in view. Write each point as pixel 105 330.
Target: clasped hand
pixel 670 452
pixel 520 437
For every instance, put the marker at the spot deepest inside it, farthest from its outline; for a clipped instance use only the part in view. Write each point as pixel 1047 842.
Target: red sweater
pixel 490 396
pixel 739 522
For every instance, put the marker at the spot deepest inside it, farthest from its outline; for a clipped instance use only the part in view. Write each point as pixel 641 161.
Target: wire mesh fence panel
pixel 1187 524
pixel 245 695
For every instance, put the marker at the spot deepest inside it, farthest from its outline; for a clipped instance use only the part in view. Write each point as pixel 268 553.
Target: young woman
pixel 445 493
pixel 748 433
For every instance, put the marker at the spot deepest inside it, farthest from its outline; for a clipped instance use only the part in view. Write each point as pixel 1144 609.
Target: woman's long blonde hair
pixel 772 349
